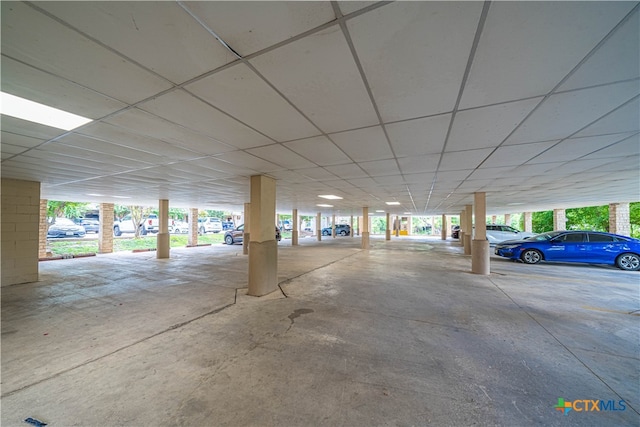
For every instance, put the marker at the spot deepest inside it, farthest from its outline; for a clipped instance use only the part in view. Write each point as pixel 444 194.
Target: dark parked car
pixel 455 232
pixel 590 247
pixel 90 225
pixel 341 230
pixel 64 227
pixel 236 235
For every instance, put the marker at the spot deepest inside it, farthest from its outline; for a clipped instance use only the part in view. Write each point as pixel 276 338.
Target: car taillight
pixel 149 222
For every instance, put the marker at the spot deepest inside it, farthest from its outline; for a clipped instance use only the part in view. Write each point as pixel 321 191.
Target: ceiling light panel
pixel 412 37
pixel 31 111
pixel 326 85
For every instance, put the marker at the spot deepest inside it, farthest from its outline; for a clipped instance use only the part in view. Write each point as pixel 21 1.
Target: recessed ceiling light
pixel 379 211
pixel 121 197
pixel 325 206
pixel 407 213
pixel 392 203
pixel 95 194
pixel 24 109
pixel 330 197
pixel 514 204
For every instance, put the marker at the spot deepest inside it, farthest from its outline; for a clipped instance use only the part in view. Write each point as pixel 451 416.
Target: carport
pixel 409 108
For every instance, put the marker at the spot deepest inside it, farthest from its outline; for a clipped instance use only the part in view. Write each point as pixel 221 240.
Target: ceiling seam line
pixel 472 53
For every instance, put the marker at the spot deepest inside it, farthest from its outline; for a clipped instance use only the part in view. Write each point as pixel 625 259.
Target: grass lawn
pixel 84 246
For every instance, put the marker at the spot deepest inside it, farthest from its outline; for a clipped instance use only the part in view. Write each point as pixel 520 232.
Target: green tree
pixel 119 211
pixel 138 213
pixel 542 222
pixel 634 219
pixel 589 218
pixel 58 209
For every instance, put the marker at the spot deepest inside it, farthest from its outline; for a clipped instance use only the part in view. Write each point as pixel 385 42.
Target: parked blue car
pixel 590 247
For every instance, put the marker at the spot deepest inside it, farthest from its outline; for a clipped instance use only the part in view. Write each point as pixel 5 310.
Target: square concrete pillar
pixel 463 224
pixel 445 228
pixel 163 245
pixel 397 226
pixel 319 226
pixel 619 219
pixel 480 251
pixel 387 232
pixel 559 219
pixel 365 228
pixel 294 229
pixel 105 233
pixel 468 234
pixel 507 219
pixel 246 232
pixel 20 219
pixel 333 226
pixel 352 229
pixel 192 239
pixel 263 247
pixel 43 227
pixel 528 222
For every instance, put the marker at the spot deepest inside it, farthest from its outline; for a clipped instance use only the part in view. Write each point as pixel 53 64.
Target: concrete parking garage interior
pixel 408 108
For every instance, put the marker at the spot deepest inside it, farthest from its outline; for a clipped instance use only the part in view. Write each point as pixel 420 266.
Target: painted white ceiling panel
pixel 320 149
pixel 217 165
pixel 147 34
pixel 317 173
pixel 100 147
pixel 347 7
pixel 242 159
pixel 420 136
pixel 319 75
pixel 453 175
pixel 514 155
pixel 624 119
pixel 252 26
pixel 564 114
pixel 348 171
pixel 424 179
pixel 470 128
pixel 618 59
pixel 245 96
pixel 28 129
pixel 413 36
pixel 418 164
pixel 142 144
pixel 519 55
pixel 460 160
pixel 364 144
pixel 628 148
pixel 38 86
pixel 8 150
pixel 182 108
pixel 66 55
pixel 487 172
pixel 380 167
pixel 147 124
pixel 575 148
pixel 280 155
pixel 21 141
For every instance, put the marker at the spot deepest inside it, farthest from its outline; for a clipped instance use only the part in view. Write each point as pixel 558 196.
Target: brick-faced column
pixel 507 219
pixel 42 230
pixel 192 239
pixel 559 219
pixel 619 220
pixel 105 233
pixel 528 222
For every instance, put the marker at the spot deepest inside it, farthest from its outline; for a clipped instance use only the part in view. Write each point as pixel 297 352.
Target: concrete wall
pixel 20 231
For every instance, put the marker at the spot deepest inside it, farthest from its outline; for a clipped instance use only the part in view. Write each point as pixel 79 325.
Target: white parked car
pixel 179 227
pixel 499 233
pixel 209 225
pixel 126 225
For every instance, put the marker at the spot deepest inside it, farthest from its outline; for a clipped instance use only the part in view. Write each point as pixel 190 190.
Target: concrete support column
pixel 507 219
pixel 410 225
pixel 480 253
pixel 463 224
pixel 352 229
pixel 387 233
pixel 468 219
pixel 397 229
pixel 20 212
pixel 359 224
pixel 192 238
pixel 333 226
pixel 319 226
pixel 528 222
pixel 294 229
pixel 559 219
pixel 246 232
pixel 163 244
pixel 263 247
pixel 43 227
pixel 619 219
pixel 365 228
pixel 494 218
pixel 105 233
pixel 445 228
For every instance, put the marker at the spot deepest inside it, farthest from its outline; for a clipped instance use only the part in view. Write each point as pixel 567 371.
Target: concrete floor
pixel 401 334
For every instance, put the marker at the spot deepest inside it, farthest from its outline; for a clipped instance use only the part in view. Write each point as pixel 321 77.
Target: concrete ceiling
pixel 424 103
